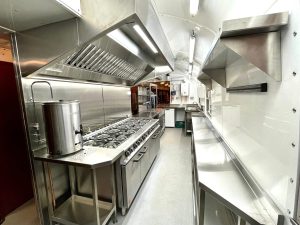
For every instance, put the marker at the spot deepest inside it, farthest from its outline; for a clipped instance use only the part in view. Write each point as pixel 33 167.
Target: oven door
pixel 155 145
pixel 131 178
pixel 146 160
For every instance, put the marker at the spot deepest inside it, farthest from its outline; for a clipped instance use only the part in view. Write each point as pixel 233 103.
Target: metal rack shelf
pixel 79 210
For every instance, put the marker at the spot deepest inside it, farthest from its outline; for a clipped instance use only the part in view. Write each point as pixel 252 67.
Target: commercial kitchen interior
pixel 153 112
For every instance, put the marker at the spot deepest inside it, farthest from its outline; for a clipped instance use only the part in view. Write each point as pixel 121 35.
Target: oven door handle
pixel 139 158
pixel 145 149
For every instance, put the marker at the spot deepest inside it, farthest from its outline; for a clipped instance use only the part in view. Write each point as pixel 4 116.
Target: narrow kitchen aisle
pixel 166 194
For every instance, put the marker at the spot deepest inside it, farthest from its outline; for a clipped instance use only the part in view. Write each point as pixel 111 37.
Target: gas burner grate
pixel 116 134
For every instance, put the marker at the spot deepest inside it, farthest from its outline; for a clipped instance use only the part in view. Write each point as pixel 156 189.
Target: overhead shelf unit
pixel 206 80
pixel 254 39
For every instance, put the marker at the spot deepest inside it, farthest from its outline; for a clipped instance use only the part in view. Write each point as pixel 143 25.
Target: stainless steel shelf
pixel 238 42
pixel 78 210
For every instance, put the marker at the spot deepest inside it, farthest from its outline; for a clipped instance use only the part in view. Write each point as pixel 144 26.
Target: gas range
pixel 127 134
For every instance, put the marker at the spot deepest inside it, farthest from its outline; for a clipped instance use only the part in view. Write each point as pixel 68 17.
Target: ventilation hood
pixel 254 39
pixel 101 45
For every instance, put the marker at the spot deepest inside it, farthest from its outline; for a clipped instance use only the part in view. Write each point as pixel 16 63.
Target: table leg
pixel 201 207
pixel 114 201
pixel 95 195
pixel 47 187
pixel 72 180
pixel 241 221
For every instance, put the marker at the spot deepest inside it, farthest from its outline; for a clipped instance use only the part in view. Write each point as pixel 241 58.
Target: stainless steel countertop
pixel 93 157
pixel 218 175
pixel 150 113
pixel 172 106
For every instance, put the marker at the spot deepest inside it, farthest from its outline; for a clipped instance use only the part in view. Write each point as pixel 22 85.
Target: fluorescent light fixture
pixel 190 68
pixel 51 69
pixel 72 6
pixel 118 36
pixel 192 48
pixel 163 69
pixel 194 5
pixel 139 30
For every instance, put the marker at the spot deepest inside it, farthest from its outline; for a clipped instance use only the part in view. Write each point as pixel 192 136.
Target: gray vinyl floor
pixel 166 195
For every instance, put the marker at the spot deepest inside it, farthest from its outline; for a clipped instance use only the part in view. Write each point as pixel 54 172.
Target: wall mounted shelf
pixel 206 80
pixel 254 39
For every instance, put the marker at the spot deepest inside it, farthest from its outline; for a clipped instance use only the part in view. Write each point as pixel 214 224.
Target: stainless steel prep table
pixel 215 173
pixel 78 209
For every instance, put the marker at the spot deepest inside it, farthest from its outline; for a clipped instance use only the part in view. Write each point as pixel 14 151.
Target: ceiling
pixel 178 24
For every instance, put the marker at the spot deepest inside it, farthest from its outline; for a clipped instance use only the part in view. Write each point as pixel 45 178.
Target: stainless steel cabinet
pixel 145 161
pixel 132 173
pixel 155 146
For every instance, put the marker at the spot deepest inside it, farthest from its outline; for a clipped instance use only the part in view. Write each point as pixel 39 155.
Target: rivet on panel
pixel 294 73
pixel 295 33
pixel 293 144
pixel 291 180
pixel 294 110
pixel 289 212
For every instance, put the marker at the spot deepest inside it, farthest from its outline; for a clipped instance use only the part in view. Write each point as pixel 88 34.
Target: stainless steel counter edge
pixel 150 113
pixel 100 156
pixel 218 176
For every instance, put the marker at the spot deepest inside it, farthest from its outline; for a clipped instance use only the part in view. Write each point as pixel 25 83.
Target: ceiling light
pixel 139 30
pixel 192 48
pixel 118 36
pixel 194 5
pixel 163 69
pixel 190 68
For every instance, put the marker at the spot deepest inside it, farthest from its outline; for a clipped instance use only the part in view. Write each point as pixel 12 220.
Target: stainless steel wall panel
pixel 38 47
pixel 84 185
pixel 117 103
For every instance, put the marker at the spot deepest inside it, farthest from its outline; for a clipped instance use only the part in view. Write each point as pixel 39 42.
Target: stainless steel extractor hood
pixel 253 39
pixel 101 45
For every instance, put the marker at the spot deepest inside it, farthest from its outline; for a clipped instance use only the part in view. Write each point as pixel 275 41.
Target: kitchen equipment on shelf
pixel 63 127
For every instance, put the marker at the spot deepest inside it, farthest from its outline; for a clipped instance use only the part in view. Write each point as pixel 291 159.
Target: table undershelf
pixel 78 210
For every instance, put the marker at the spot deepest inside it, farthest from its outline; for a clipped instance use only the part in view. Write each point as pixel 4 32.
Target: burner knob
pixel 127 153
